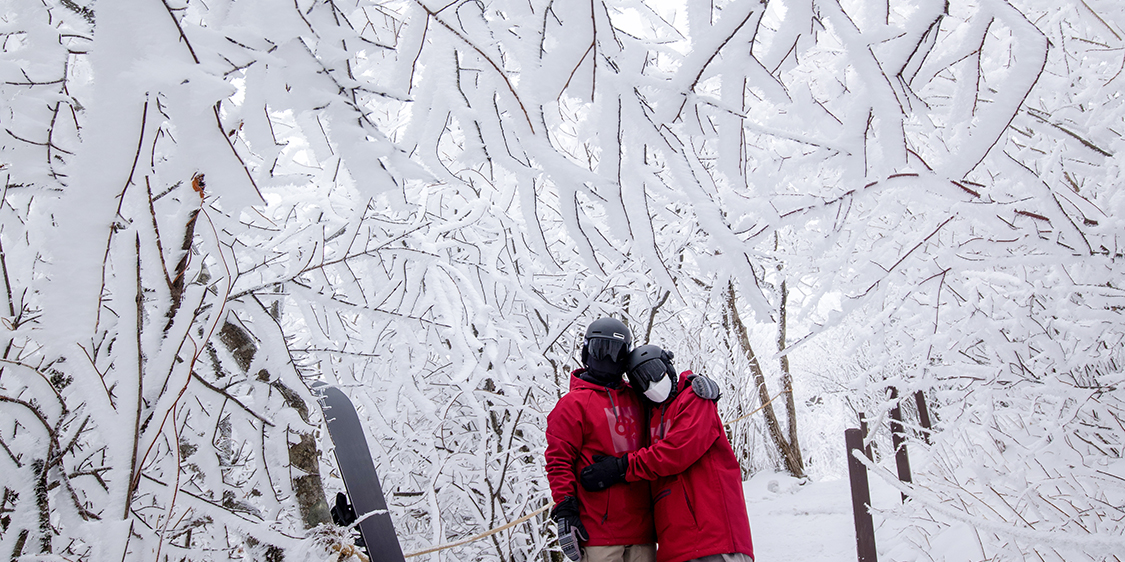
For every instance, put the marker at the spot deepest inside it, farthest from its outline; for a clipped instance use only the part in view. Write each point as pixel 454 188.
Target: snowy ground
pixel 806 523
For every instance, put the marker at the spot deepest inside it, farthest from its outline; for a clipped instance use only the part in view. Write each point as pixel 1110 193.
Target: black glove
pixel 705 388
pixel 343 514
pixel 605 472
pixel 571 530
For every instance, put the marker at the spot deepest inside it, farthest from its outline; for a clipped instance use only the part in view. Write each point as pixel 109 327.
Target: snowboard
pixel 360 479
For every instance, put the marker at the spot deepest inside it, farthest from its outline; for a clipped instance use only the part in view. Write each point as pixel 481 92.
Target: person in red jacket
pixel 698 504
pixel 600 415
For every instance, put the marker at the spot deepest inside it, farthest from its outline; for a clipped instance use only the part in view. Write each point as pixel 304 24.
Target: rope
pixel 482 535
pixel 546 507
pixel 760 408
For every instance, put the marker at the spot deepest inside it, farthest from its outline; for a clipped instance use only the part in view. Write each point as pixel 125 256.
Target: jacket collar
pixel 684 380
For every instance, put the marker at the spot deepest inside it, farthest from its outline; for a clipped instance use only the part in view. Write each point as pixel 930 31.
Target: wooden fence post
pixel 898 441
pixel 861 498
pixel 923 415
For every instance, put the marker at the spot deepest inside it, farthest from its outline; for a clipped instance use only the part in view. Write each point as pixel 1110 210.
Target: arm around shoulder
pixel 690 428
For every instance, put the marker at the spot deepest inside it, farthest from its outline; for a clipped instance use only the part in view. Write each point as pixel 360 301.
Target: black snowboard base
pixel 377 532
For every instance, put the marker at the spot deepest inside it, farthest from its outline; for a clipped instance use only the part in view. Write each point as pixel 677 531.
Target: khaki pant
pixel 736 557
pixel 620 553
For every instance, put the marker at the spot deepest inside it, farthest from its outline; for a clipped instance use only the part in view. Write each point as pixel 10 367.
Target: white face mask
pixel 659 390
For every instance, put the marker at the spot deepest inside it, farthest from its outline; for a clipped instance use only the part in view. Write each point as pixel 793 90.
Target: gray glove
pixel 571 529
pixel 705 388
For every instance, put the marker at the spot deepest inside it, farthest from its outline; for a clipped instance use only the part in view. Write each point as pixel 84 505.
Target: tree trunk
pixel 789 451
pixel 793 452
pixel 303 455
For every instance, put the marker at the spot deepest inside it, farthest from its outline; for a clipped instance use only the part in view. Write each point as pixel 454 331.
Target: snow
pixel 802 521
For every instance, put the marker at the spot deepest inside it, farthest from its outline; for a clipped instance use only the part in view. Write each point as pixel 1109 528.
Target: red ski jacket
pixel 698 505
pixel 595 420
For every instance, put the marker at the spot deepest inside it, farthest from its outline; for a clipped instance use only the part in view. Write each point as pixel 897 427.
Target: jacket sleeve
pixel 691 430
pixel 564 443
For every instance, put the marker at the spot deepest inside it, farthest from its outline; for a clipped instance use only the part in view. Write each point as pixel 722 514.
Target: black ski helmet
pixel 607 345
pixel 650 371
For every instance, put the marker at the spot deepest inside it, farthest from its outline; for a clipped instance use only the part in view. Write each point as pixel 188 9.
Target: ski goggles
pixel 649 372
pixel 605 349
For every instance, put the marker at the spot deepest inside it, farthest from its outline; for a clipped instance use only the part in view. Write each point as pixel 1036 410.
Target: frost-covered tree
pixel 209 204
pixel 150 409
